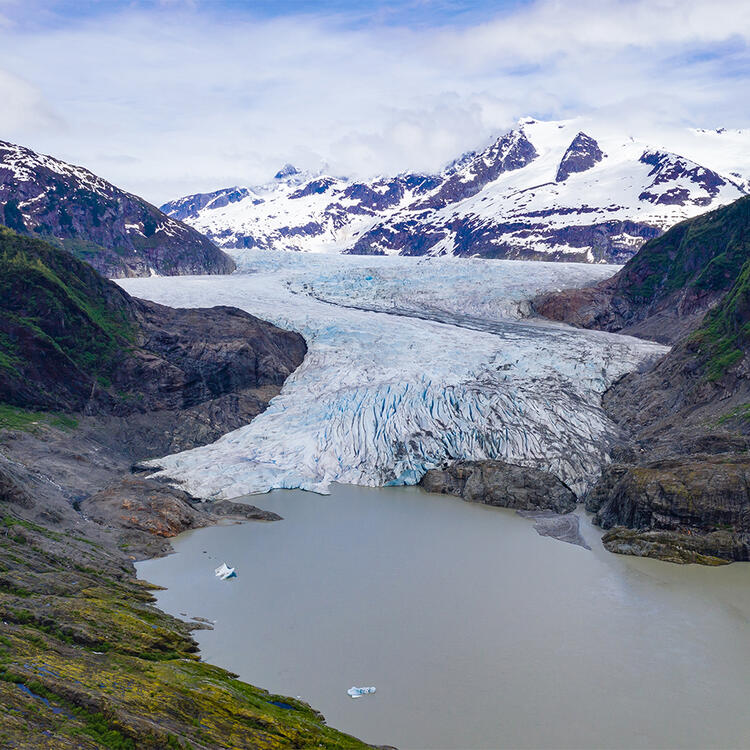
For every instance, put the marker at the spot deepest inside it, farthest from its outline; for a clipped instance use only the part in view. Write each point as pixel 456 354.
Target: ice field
pixel 411 363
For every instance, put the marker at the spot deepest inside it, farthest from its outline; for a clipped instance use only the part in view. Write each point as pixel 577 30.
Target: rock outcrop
pixel 501 484
pixel 698 504
pixel 73 341
pixel 582 154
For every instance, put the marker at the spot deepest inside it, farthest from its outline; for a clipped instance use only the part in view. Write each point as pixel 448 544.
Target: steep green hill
pixel 664 290
pixel 71 340
pixel 63 328
pixel 704 254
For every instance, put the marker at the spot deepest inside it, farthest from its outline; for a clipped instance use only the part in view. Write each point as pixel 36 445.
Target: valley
pixel 374 375
pixel 382 397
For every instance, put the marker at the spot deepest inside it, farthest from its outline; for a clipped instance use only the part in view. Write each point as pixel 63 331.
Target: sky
pixel 170 97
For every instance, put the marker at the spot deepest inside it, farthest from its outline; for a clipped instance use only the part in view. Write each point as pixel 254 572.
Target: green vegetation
pixel 725 333
pixel 740 413
pixel 704 254
pixel 693 264
pixel 57 316
pixel 86 661
pixel 13 418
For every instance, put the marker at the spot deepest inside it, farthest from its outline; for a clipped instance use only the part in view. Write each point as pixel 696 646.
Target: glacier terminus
pixel 411 363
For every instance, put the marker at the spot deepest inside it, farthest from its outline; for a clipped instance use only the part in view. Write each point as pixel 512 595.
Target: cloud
pixel 179 99
pixel 23 107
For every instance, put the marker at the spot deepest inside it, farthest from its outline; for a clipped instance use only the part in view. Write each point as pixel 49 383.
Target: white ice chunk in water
pixel 358 692
pixel 224 572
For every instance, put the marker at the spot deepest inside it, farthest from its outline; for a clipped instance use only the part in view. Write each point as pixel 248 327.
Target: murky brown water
pixel 477 632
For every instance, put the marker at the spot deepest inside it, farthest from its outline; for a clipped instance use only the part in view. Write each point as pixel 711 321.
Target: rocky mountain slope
pixel 678 489
pixel 86 660
pixel 546 190
pixel 119 233
pixel 665 289
pixel 73 341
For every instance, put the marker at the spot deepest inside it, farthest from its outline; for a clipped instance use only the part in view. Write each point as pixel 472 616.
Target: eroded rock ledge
pixel 501 484
pixel 688 509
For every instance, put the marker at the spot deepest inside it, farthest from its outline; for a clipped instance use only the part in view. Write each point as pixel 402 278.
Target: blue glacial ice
pixel 411 363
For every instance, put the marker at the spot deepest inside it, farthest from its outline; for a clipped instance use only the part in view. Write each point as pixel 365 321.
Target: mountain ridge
pixel 544 190
pixel 118 233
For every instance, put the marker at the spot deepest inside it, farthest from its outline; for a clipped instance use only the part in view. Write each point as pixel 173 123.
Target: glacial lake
pixel 476 631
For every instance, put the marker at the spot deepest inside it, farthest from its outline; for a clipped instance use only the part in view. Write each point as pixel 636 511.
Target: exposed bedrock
pixel 687 509
pixel 146 513
pixel 501 484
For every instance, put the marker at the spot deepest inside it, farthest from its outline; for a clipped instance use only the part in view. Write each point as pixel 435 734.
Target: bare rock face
pixel 501 484
pixel 206 353
pixel 142 509
pixel 713 548
pixel 582 154
pixel 511 151
pixel 677 509
pixel 666 168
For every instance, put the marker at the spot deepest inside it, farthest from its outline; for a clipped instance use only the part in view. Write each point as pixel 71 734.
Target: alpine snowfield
pixel 383 396
pixel 571 190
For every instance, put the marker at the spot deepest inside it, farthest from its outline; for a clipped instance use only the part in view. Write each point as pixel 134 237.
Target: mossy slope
pixel 704 254
pixel 724 336
pixel 63 328
pixel 86 661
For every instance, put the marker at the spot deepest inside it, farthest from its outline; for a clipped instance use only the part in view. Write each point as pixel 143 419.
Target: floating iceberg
pixel 224 572
pixel 358 692
pixel 411 363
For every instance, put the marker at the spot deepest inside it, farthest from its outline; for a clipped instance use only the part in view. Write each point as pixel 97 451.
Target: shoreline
pixel 85 651
pixel 298 604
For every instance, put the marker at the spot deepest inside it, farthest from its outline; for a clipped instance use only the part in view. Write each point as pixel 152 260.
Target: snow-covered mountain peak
pixel 113 230
pixel 288 170
pixel 561 190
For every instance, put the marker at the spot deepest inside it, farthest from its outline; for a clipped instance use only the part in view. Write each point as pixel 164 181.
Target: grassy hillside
pixel 724 336
pixel 87 662
pixel 705 254
pixel 63 328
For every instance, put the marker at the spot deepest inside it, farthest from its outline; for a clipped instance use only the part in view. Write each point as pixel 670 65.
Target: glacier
pixel 412 362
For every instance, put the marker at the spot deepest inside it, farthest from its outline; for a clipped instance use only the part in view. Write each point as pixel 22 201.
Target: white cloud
pixel 23 107
pixel 170 102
